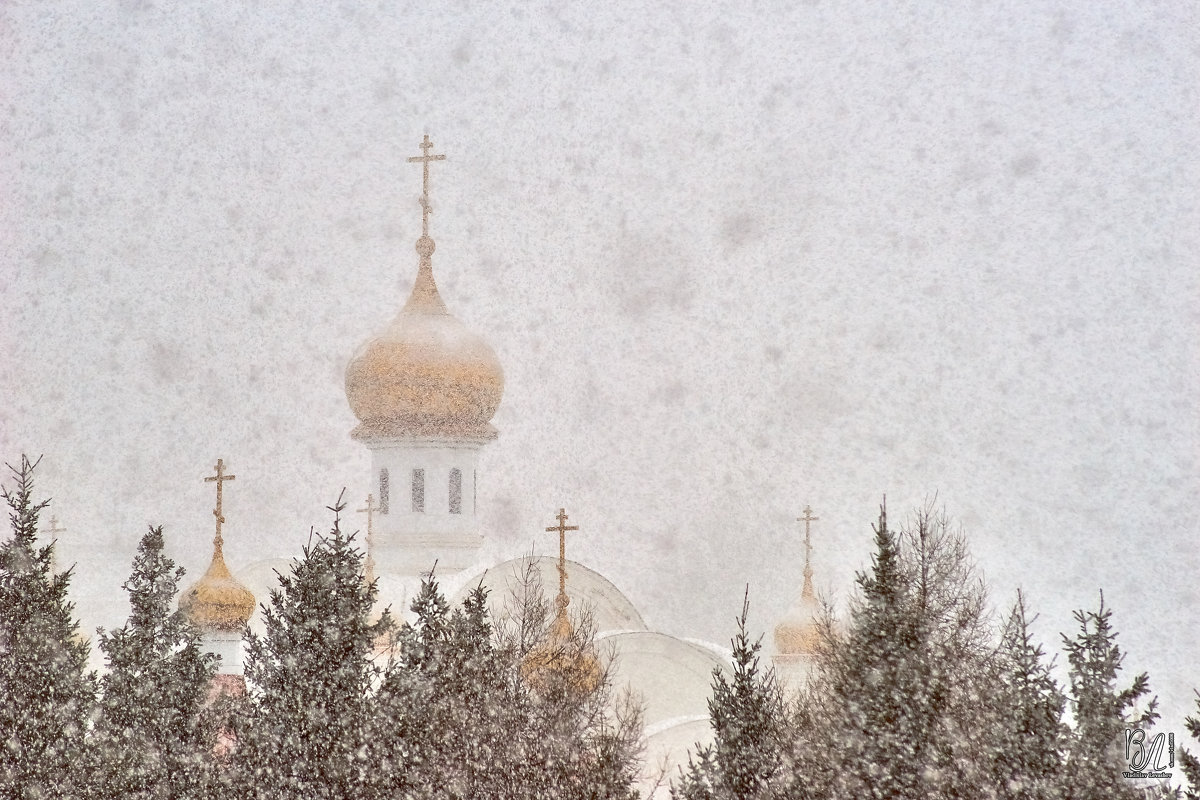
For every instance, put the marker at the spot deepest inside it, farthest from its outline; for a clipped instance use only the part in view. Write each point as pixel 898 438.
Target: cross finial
pixel 371 508
pixel 54 530
pixel 426 145
pixel 562 527
pixel 220 479
pixel 807 519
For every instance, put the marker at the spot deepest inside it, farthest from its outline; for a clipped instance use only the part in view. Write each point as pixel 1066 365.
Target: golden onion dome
pixel 217 602
pixel 427 373
pixel 561 661
pixel 797 633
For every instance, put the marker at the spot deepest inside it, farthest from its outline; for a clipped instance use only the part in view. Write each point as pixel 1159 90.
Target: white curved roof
pixel 671 678
pixel 667 746
pixel 587 589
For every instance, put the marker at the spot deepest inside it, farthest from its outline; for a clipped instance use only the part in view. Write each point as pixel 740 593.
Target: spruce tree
pixel 1026 730
pixel 446 711
pixel 884 718
pixel 1188 761
pixel 1096 749
pixel 898 692
pixel 751 752
pixel 309 676
pixel 457 719
pixel 151 739
pixel 46 694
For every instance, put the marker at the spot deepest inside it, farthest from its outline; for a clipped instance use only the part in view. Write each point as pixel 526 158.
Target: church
pixel 424 391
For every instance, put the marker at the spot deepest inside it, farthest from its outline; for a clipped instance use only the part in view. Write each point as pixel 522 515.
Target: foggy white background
pixel 734 259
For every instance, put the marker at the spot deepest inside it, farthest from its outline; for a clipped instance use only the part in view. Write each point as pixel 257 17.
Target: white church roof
pixel 588 589
pixel 667 748
pixel 672 678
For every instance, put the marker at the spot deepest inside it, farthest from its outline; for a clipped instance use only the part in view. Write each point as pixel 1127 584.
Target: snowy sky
pixel 734 259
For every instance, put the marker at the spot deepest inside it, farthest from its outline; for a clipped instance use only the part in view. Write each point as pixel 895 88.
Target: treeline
pixel 340 703
pixel 916 696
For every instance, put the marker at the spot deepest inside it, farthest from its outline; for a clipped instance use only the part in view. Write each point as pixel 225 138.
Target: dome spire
pixel 219 478
pixel 54 530
pixel 217 602
pixel 426 374
pixel 425 295
pixel 560 659
pixel 369 510
pixel 796 634
pixel 562 625
pixel 807 592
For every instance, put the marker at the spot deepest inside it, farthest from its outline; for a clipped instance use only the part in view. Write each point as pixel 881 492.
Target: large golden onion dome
pixel 217 602
pixel 426 374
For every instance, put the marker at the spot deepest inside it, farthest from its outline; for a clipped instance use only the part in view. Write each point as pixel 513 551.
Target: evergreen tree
pixel 899 692
pixel 448 714
pixel 1096 750
pixel 150 739
pixel 581 740
pixel 750 757
pixel 1026 730
pixel 457 719
pixel 46 695
pixel 880 704
pixel 1188 761
pixel 310 675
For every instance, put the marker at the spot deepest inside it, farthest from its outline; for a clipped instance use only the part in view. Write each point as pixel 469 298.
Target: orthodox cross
pixel 807 519
pixel 562 527
pixel 220 478
pixel 369 572
pixel 54 530
pixel 425 146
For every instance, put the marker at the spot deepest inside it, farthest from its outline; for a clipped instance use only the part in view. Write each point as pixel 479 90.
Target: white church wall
pixel 412 535
pixel 228 646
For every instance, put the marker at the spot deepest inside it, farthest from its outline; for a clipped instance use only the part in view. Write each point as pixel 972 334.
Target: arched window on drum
pixel 456 491
pixel 418 490
pixel 384 488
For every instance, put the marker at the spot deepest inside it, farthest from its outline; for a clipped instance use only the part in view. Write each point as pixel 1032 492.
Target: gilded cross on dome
pixel 426 145
pixel 559 658
pixel 217 602
pixel 562 626
pixel 371 508
pixel 562 527
pixel 807 519
pixel 54 530
pixel 220 479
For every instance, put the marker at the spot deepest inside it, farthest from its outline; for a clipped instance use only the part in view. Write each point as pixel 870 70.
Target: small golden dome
pixel 797 633
pixel 426 374
pixel 562 661
pixel 217 602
